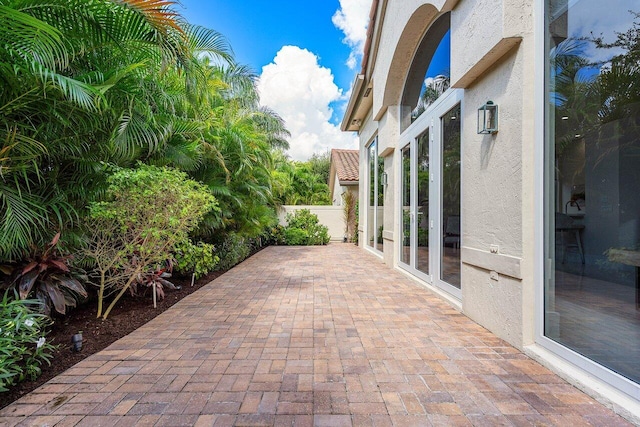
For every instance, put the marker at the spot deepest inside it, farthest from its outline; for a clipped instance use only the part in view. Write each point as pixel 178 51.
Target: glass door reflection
pixel 450 202
pixel 422 201
pixel 406 205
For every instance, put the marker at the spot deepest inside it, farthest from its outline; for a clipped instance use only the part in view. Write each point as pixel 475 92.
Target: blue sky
pixel 258 29
pixel 300 50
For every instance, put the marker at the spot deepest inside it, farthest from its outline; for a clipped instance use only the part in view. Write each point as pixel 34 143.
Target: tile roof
pixel 346 164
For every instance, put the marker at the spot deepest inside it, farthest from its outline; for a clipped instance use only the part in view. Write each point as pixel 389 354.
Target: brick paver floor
pixel 320 336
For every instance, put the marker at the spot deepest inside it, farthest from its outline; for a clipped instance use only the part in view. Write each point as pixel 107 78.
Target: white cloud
pixel 296 87
pixel 352 19
pixel 595 18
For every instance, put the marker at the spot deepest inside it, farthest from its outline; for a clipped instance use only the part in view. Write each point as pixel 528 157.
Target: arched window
pixel 429 74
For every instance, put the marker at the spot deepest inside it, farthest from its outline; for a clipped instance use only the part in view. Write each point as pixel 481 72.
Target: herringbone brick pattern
pixel 321 336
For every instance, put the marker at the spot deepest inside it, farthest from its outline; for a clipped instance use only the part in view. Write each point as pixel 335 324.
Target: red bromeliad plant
pixel 46 276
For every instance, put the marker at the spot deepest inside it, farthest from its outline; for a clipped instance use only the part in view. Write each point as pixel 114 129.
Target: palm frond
pixel 30 39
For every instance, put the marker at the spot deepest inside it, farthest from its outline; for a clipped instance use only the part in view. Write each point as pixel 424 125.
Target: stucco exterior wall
pixel 477 36
pixel 389 133
pixel 491 208
pixel 338 190
pixel 398 43
pixel 494 181
pixel 492 199
pixel 495 303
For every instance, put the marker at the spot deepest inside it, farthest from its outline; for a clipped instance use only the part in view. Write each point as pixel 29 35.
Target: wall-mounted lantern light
pixel 488 118
pixel 385 179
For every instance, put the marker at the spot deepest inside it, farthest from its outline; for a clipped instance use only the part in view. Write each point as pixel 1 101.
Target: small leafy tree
pixel 148 211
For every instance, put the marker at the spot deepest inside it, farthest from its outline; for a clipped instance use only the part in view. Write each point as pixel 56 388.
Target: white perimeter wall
pixel 330 216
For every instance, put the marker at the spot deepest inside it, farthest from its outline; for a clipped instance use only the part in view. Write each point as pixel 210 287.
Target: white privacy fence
pixel 330 216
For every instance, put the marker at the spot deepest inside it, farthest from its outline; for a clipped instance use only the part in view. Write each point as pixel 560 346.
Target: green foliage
pixel 423 237
pixel 23 346
pixel 303 228
pixel 320 164
pixel 83 81
pixel 296 236
pixel 300 183
pixel 148 210
pixel 198 259
pixel 276 235
pixel 89 84
pixel 233 249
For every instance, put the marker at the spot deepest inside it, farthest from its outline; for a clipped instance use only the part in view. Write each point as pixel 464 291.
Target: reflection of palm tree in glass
pixel 596 101
pixel 430 93
pixel 589 94
pixel 451 163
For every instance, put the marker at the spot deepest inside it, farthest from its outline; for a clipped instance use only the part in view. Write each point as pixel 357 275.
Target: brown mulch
pixel 97 334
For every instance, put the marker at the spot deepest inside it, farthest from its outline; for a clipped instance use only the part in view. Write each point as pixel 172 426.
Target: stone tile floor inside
pixel 309 336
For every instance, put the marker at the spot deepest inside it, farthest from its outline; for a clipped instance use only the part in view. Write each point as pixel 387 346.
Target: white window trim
pixel 373 248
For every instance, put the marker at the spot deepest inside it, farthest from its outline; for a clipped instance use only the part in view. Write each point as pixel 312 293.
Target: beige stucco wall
pixel 492 198
pixel 398 42
pixel 338 190
pixel 497 288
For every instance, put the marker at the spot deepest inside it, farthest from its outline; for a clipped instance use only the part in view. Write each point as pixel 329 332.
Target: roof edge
pixel 358 84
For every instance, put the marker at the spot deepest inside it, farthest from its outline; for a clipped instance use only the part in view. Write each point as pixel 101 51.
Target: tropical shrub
pixel 23 346
pixel 320 164
pixel 79 95
pixel 232 250
pixel 300 183
pixel 276 235
pixel 296 236
pixel 198 259
pixel 82 82
pixel 147 213
pixel 47 276
pixel 303 228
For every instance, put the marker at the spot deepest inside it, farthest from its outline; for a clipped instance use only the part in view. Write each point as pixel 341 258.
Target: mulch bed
pixel 97 334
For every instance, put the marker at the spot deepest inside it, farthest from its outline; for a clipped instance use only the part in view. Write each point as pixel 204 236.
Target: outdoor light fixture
pixel 385 179
pixel 488 118
pixel 76 341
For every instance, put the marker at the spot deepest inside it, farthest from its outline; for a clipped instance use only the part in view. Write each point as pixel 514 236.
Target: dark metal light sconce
pixel 488 118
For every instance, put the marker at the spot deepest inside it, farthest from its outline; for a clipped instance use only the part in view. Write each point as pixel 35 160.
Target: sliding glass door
pixel 430 211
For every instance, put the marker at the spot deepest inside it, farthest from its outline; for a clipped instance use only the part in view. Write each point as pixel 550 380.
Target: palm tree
pixel 86 83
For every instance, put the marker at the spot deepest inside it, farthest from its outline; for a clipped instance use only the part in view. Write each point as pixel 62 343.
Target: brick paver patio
pixel 321 336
